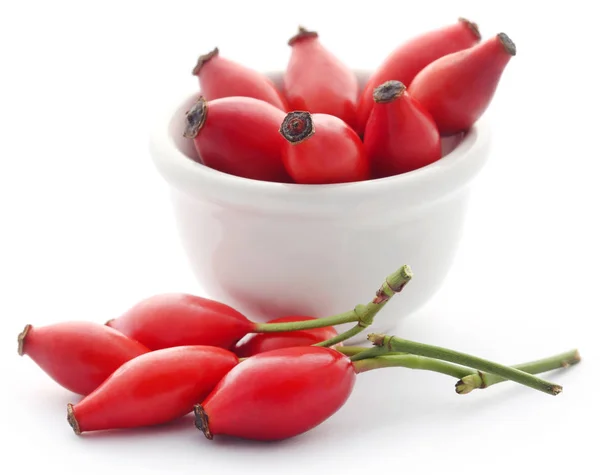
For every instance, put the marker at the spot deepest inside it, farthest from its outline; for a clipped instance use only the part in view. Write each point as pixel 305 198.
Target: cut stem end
pixel 302 34
pixel 472 26
pixel 297 127
pixel 72 420
pixel 201 421
pixel 388 91
pixel 21 339
pixel 195 118
pixel 508 44
pixel 202 60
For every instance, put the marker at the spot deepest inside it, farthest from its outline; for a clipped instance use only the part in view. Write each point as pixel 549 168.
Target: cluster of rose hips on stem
pixel 172 354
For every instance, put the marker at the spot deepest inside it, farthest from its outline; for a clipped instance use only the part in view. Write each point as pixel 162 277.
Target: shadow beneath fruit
pixel 178 425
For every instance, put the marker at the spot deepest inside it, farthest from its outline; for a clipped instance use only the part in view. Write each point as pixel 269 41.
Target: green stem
pixel 350 350
pixel 394 283
pixel 480 380
pixel 346 317
pixel 362 314
pixel 385 344
pixel 413 362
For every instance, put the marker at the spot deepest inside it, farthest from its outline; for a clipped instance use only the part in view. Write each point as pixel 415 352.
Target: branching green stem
pixel 481 380
pixel 385 344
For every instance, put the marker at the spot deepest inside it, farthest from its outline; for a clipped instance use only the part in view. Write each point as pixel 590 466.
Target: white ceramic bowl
pixel 272 249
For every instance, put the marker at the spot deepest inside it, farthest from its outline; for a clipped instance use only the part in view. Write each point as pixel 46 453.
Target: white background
pixel 86 230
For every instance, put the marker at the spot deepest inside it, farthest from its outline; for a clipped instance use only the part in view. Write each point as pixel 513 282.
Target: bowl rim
pixel 417 187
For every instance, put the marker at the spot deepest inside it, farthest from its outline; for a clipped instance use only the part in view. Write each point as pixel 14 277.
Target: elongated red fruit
pixel 317 81
pixel 277 394
pixel 221 77
pixel 408 59
pixel 400 135
pixel 154 388
pixel 238 135
pixel 321 149
pixel 458 88
pixel 262 342
pixel 78 355
pixel 176 319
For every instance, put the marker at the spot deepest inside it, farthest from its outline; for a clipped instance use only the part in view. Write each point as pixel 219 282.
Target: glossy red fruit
pixel 408 59
pixel 262 342
pixel 401 135
pixel 458 88
pixel 176 319
pixel 221 77
pixel 238 135
pixel 317 81
pixel 151 389
pixel 78 355
pixel 277 394
pixel 322 148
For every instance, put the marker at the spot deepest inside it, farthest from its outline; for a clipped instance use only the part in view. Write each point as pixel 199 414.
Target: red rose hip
pixel 78 355
pixel 321 149
pixel 458 88
pixel 401 135
pixel 262 342
pixel 238 135
pixel 221 77
pixel 277 394
pixel 151 389
pixel 405 62
pixel 176 319
pixel 317 81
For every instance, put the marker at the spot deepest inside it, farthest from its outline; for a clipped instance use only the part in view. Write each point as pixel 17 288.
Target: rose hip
pixel 321 148
pixel 262 342
pixel 408 59
pixel 317 81
pixel 177 319
pixel 400 135
pixel 78 355
pixel 277 394
pixel 238 135
pixel 458 88
pixel 151 389
pixel 221 77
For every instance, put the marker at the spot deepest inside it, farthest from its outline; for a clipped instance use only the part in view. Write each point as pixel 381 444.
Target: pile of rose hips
pixel 322 128
pixel 172 354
